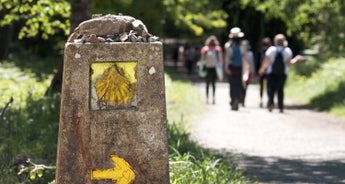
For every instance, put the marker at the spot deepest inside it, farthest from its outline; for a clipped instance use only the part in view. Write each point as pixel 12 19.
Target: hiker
pixel 265 44
pixel 247 78
pixel 211 56
pixel 236 61
pixel 275 65
pixel 191 55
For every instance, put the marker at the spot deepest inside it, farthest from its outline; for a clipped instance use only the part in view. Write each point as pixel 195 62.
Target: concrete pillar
pixel 113 114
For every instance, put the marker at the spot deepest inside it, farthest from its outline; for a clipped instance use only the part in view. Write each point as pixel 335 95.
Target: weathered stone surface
pixel 109 25
pixel 88 137
pixel 124 37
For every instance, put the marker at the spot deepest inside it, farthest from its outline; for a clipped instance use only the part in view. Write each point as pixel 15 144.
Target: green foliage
pixel 323 87
pixel 149 12
pixel 35 170
pixel 162 16
pixel 30 124
pixel 319 23
pixel 39 17
pixel 196 15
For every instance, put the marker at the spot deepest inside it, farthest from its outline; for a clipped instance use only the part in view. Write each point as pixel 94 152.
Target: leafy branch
pixel 34 169
pixel 37 17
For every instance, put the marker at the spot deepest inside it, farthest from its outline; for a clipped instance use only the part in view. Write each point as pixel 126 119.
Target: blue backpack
pixel 236 56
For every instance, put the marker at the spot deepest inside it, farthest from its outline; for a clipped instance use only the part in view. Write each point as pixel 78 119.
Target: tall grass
pixel 30 124
pixel 321 84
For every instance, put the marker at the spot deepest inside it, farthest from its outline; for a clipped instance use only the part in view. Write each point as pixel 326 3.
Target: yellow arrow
pixel 122 173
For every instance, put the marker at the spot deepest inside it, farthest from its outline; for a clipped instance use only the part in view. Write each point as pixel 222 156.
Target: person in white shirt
pixel 276 80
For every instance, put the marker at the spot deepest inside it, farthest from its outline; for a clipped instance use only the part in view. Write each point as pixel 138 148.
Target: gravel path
pixel 297 146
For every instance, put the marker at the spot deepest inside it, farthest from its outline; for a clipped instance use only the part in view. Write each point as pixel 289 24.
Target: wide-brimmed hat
pixel 236 33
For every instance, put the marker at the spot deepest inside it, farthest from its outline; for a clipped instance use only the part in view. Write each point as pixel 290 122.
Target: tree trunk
pixel 5 40
pixel 80 11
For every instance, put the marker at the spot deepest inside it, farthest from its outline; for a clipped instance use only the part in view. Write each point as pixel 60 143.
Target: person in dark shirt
pixel 265 44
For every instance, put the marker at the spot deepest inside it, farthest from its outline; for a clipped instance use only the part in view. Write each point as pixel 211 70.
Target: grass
pixel 189 163
pixel 183 100
pixel 30 127
pixel 322 86
pixel 30 124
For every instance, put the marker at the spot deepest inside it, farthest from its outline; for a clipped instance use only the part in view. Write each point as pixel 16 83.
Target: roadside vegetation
pixel 30 124
pixel 29 128
pixel 189 163
pixel 320 84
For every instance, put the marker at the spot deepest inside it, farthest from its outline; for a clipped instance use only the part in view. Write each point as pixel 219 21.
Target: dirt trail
pixel 298 146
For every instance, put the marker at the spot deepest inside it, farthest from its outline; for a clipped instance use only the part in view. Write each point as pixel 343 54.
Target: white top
pixel 250 56
pixel 272 51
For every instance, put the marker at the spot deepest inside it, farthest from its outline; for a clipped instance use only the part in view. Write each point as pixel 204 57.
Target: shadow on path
pixel 297 107
pixel 282 170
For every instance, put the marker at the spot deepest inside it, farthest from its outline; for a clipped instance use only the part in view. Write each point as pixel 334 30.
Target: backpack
pixel 278 66
pixel 211 58
pixel 236 56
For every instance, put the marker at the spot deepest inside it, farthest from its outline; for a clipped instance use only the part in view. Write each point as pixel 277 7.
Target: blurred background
pixel 32 38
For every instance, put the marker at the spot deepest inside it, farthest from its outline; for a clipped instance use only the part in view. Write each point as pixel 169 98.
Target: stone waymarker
pixel 113 112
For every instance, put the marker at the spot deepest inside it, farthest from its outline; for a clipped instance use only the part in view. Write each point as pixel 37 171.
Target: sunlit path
pixel 298 146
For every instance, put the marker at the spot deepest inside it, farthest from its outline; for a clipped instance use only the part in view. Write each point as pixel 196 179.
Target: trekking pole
pixel 5 108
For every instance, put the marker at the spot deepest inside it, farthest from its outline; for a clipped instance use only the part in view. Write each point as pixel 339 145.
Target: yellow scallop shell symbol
pixel 114 87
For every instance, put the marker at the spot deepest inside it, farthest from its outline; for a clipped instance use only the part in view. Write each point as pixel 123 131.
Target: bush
pixel 29 127
pixel 322 88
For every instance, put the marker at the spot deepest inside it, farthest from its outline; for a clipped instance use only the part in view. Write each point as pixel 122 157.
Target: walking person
pixel 275 65
pixel 191 55
pixel 211 56
pixel 265 44
pixel 236 61
pixel 247 77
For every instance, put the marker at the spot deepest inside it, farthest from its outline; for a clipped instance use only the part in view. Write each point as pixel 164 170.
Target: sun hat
pixel 236 33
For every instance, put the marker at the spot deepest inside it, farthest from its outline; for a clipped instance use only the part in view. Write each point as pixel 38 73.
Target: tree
pixel 196 16
pixel 318 23
pixel 80 12
pixel 37 17
pixel 32 20
pixel 170 18
pixel 45 18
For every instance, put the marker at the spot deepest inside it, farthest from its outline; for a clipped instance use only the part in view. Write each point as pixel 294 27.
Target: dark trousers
pixel 236 84
pixel 275 84
pixel 211 78
pixel 261 82
pixel 190 66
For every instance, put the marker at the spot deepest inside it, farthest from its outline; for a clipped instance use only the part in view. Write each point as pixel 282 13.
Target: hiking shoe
pixel 234 106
